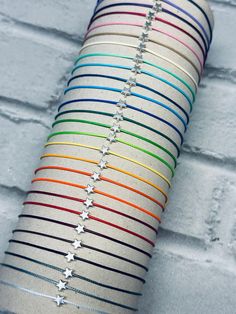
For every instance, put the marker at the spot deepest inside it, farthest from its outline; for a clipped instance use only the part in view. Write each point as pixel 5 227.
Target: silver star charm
pixel 96 176
pixel 89 189
pixel 121 104
pixel 77 244
pixel 70 256
pixel 144 36
pixel 102 164
pixel 151 15
pixel 148 25
pixel 61 285
pixel 111 138
pixel 68 272
pixel 118 116
pixel 136 69
pixel 80 229
pixel 138 58
pixel 59 300
pixel 141 47
pixel 131 81
pixel 115 128
pixel 84 215
pixel 88 202
pixel 126 91
pixel 157 7
pixel 104 150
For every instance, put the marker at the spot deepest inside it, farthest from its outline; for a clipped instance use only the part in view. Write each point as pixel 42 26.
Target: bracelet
pixel 204 14
pixel 137 84
pixel 82 245
pixel 102 178
pixel 58 299
pixel 117 140
pixel 62 270
pixel 94 204
pixel 116 66
pixel 107 88
pixel 83 100
pixel 55 282
pixel 99 54
pixel 121 131
pixel 203 49
pixel 154 53
pixel 199 73
pixel 111 167
pixel 114 154
pixel 92 218
pixel 99 192
pixel 166 11
pixel 201 62
pixel 209 39
pixel 87 230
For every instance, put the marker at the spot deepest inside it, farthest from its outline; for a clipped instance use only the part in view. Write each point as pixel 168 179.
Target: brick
pixel 221 54
pixel 21 144
pixel 212 128
pixel 34 71
pixel 10 204
pixel 178 285
pixel 192 197
pixel 62 17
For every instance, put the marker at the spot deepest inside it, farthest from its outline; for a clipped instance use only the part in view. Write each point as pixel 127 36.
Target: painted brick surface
pixel 194 264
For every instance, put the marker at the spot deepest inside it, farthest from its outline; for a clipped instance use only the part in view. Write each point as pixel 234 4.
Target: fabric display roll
pixel 90 220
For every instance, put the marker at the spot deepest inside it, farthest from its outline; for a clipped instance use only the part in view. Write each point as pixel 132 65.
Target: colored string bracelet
pixel 100 54
pixel 111 167
pixel 137 84
pixel 165 11
pixel 121 130
pixel 154 53
pixel 204 47
pixel 103 178
pixel 104 136
pixel 85 100
pixel 82 201
pixel 101 193
pixel 68 287
pixel 198 57
pixel 107 88
pixel 208 38
pixel 87 230
pixel 117 66
pixel 83 245
pixel 169 47
pixel 74 273
pixel 58 299
pixel 204 14
pixel 92 218
pixel 79 259
pixel 114 154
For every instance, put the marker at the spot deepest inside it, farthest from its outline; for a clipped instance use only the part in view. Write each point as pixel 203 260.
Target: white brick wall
pixel 194 265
